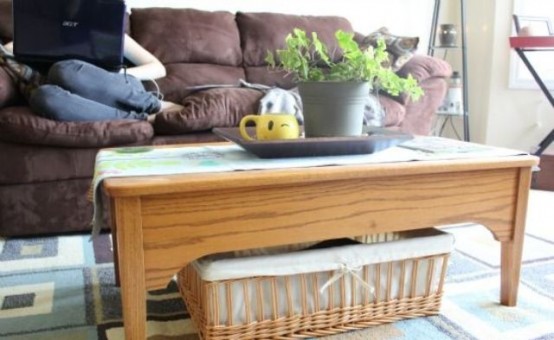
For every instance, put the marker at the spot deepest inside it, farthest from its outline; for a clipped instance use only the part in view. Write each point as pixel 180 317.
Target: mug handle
pixel 242 126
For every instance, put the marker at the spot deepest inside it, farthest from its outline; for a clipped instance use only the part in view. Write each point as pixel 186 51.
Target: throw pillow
pixel 400 49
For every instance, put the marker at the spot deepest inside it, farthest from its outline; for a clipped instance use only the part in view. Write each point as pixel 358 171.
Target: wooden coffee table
pixel 161 223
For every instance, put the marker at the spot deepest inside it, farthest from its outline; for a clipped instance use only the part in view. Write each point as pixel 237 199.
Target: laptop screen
pixel 46 31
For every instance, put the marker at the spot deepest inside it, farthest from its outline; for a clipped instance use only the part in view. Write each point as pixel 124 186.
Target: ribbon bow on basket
pixel 346 269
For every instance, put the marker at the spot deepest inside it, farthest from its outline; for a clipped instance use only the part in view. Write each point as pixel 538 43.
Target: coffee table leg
pixel 131 267
pixel 114 243
pixel 511 250
pixel 510 270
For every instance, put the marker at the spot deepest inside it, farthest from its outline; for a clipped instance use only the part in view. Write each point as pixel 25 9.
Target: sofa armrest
pixel 420 114
pixel 8 91
pixel 431 74
pixel 422 68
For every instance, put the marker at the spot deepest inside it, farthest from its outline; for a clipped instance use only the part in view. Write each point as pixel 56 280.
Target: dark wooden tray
pixel 375 140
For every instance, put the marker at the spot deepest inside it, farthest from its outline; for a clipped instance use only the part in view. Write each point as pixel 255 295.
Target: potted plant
pixel 334 93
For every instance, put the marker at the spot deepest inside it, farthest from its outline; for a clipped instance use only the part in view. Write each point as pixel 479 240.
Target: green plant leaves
pixel 320 49
pixel 308 60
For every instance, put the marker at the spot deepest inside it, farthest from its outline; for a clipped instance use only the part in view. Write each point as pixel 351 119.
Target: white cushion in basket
pixel 409 244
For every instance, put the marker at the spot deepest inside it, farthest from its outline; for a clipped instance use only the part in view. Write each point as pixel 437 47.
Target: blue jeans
pixel 79 91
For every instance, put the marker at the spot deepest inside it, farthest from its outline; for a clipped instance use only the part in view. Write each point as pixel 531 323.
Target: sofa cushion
pixel 187 138
pixel 180 77
pixel 263 32
pixel 261 75
pixel 187 35
pixel 19 125
pixel 204 110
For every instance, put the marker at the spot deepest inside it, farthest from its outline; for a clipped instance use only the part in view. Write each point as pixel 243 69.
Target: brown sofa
pixel 46 166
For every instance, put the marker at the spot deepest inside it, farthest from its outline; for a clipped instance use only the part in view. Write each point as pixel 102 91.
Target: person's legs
pixel 124 92
pixel 53 102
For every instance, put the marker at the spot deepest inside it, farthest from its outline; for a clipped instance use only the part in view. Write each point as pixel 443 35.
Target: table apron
pixel 179 228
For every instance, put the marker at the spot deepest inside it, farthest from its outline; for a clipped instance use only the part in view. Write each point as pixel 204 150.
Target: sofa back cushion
pixel 197 47
pixel 263 32
pixel 178 35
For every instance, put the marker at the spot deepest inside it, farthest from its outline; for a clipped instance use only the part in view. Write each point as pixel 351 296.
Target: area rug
pixel 63 288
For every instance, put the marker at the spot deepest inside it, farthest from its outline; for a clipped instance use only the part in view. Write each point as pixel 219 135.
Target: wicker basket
pixel 310 304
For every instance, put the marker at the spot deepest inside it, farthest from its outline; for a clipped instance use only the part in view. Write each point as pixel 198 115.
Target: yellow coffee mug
pixel 271 126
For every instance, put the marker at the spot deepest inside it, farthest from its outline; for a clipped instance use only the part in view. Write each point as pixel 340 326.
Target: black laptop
pixel 46 31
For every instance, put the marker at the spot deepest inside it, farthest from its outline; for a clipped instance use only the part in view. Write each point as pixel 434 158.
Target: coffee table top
pixel 315 171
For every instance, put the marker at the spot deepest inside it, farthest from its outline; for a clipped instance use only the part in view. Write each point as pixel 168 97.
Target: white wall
pixel 498 115
pixel 480 42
